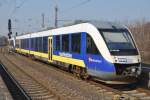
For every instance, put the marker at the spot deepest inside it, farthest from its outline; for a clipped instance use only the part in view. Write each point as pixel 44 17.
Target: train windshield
pixel 119 42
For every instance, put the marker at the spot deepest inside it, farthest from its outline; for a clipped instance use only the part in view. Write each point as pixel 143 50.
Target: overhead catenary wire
pixel 76 6
pixel 3 2
pixel 72 8
pixel 17 7
pixel 83 2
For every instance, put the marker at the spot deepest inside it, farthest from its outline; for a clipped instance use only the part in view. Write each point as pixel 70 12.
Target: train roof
pixel 78 26
pixel 100 24
pixel 107 25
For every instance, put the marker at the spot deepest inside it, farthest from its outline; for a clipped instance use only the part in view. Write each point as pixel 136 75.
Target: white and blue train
pixel 103 50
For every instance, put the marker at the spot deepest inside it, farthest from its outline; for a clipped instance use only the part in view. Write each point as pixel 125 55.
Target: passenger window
pixel 76 42
pixel 36 44
pixel 45 44
pixel 27 44
pixel 32 43
pixel 57 42
pixel 65 43
pixel 40 44
pixel 21 44
pixel 90 45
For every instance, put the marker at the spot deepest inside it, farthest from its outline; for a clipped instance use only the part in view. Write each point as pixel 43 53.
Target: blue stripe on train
pixel 98 63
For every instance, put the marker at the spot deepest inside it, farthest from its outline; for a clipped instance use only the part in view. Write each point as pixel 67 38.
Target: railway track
pixel 16 91
pixel 33 88
pixel 140 93
pixel 131 92
pixel 66 85
pixel 77 89
pixel 137 93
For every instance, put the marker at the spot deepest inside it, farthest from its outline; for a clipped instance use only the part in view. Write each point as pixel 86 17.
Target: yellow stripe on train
pixel 54 57
pixel 69 60
pixel 44 55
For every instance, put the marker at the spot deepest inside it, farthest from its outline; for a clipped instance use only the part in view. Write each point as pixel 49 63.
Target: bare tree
pixel 141 33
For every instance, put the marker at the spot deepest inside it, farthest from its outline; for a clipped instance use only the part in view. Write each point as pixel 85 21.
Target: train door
pixel 50 48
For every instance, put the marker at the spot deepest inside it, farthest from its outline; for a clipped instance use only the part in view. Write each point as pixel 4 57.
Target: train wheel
pixel 70 68
pixel 73 70
pixel 84 74
pixel 77 71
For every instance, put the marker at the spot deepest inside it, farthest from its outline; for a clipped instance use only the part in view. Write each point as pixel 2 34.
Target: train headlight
pixel 133 69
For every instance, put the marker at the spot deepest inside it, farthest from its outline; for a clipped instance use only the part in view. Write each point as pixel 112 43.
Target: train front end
pixel 125 55
pixel 118 60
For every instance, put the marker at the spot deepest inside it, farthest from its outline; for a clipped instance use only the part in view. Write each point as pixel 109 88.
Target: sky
pixel 26 15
